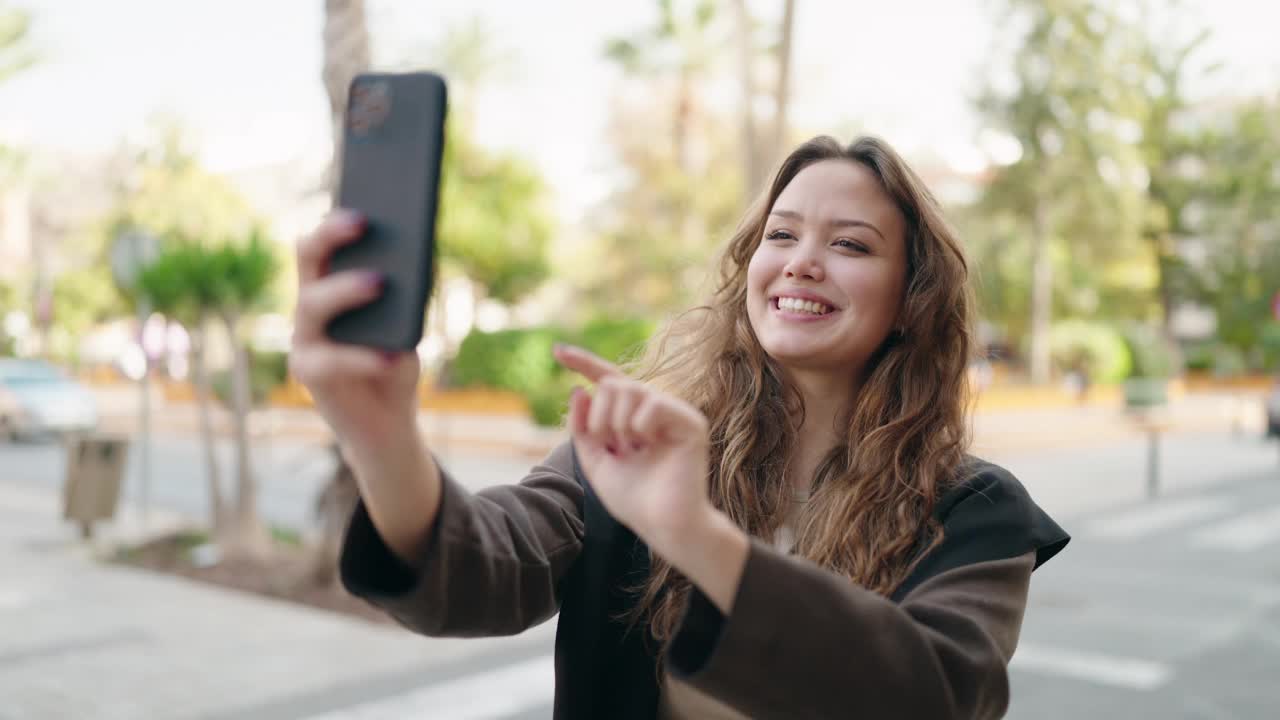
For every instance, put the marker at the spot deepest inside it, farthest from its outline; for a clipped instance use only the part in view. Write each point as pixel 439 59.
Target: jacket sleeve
pixel 803 642
pixel 491 564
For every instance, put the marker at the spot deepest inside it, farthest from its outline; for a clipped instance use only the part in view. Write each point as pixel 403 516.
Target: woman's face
pixel 836 237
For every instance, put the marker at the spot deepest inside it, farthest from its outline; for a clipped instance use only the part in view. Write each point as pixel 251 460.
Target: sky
pixel 244 75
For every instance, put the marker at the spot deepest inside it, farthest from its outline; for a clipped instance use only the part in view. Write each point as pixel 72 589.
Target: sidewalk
pixel 1007 430
pixel 85 639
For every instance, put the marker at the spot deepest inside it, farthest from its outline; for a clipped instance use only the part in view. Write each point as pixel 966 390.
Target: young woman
pixel 771 515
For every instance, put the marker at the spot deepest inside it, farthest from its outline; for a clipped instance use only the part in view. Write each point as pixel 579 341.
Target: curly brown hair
pixel 907 431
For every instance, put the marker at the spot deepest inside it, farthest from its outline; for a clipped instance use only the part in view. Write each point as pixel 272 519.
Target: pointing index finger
pixel 585 363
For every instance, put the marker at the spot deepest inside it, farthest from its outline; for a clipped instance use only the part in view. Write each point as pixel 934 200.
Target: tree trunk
pixel 684 114
pixel 204 394
pixel 249 533
pixel 346 54
pixel 1041 294
pixel 752 171
pixel 782 91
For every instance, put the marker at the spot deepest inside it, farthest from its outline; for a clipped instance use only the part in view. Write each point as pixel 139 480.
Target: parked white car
pixel 38 399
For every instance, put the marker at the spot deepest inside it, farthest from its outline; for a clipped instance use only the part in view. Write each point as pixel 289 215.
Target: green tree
pixel 1167 150
pixel 494 225
pixel 1074 192
pixel 181 285
pixel 242 275
pixel 762 147
pixel 346 54
pixel 1234 216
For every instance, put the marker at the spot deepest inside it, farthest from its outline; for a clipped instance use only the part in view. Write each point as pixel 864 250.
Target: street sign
pixel 131 252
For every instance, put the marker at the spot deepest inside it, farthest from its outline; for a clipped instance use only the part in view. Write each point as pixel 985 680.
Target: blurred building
pixel 15 232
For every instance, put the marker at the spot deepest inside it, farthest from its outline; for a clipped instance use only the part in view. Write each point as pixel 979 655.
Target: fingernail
pixel 351 218
pixel 558 347
pixel 374 279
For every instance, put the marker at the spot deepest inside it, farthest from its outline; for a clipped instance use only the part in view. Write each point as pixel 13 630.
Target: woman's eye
pixel 779 235
pixel 851 245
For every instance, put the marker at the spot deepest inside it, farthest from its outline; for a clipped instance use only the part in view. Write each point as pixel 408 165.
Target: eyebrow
pixel 839 222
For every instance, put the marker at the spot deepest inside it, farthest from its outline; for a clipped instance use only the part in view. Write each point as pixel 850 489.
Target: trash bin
pixel 95 469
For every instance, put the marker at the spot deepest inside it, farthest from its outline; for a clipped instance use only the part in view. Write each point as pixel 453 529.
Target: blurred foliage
pixel 521 360
pixel 16 54
pixel 1071 194
pixel 1094 347
pixel 1216 358
pixel 268 370
pixel 1235 219
pixel 518 360
pixel 166 193
pixel 615 340
pixel 495 221
pixel 680 189
pixel 494 225
pixel 1143 201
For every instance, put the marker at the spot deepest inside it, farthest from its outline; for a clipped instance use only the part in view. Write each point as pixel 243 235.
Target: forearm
pixel 491 563
pixel 712 554
pixel 401 487
pixel 844 651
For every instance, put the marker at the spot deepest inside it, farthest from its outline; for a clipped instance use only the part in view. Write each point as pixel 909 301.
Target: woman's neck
pixel 825 401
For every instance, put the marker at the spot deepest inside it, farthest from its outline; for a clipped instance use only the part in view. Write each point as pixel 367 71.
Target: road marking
pixel 479 696
pixel 1135 523
pixel 1243 533
pixel 1130 673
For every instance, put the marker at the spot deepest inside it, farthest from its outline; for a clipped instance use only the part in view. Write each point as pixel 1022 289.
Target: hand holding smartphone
pixel 393 142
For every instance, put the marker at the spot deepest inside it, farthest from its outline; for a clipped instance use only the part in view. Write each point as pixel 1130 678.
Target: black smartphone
pixel 393 142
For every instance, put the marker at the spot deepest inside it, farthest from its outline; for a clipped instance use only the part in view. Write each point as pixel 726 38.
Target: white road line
pixel 479 696
pixel 1243 533
pixel 1130 673
pixel 1135 523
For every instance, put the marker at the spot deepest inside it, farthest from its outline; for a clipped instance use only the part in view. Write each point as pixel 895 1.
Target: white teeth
pixel 797 305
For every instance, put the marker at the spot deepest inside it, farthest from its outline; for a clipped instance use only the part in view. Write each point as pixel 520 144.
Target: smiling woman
pixel 771 513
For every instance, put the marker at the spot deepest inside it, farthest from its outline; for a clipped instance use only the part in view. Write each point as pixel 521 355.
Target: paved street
pixel 1167 608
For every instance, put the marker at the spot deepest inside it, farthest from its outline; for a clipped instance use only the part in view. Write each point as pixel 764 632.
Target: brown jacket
pixel 801 642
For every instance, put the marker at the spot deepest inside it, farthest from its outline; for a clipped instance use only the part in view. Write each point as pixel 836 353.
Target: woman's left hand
pixel 644 452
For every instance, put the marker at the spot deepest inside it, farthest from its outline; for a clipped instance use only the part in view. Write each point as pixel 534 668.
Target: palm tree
pixel 346 54
pixel 15 55
pixel 682 44
pixel 762 150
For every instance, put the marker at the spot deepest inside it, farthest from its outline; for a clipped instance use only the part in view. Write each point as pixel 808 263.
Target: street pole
pixel 131 252
pixel 1153 461
pixel 144 431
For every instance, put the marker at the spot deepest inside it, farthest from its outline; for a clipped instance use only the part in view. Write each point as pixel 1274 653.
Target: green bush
pixel 1099 345
pixel 549 403
pixel 1270 342
pixel 616 340
pixel 517 360
pixel 521 360
pixel 1199 357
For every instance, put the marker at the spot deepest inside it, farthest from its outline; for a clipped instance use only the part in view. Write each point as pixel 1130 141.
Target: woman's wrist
pixel 712 552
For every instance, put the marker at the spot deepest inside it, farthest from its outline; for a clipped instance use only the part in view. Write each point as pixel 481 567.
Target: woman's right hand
pixel 366 395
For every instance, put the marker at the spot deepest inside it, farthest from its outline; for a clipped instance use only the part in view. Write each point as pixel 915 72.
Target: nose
pixel 804 263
